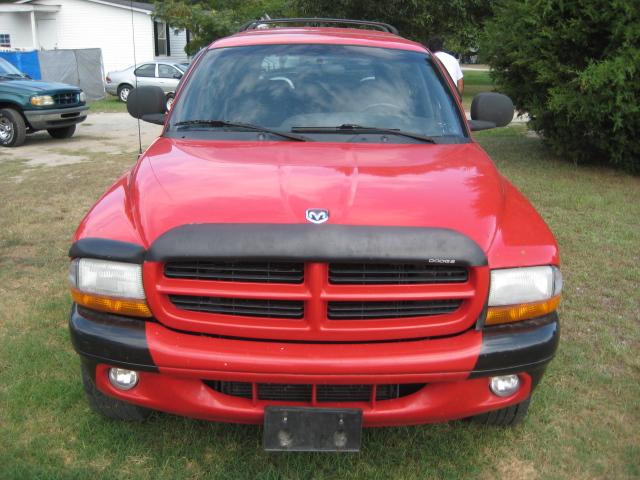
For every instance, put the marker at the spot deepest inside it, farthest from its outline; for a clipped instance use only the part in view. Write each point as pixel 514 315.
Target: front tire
pixel 124 91
pixel 169 101
pixel 13 130
pixel 64 132
pixel 507 416
pixel 111 407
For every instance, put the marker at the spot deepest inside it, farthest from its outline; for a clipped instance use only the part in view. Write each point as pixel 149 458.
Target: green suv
pixel 27 106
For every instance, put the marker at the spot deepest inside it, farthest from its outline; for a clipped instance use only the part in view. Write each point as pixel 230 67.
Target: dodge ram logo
pixel 317 215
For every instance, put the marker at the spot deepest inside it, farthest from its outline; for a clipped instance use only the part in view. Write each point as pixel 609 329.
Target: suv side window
pixel 148 70
pixel 167 71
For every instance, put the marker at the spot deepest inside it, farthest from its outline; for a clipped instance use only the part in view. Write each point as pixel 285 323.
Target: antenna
pixel 135 66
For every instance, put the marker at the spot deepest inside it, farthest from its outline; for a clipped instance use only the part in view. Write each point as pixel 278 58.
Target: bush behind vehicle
pixel 574 67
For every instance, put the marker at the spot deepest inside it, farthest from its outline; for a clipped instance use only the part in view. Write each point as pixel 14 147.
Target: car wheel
pixel 13 129
pixel 123 92
pixel 169 101
pixel 111 407
pixel 64 132
pixel 512 415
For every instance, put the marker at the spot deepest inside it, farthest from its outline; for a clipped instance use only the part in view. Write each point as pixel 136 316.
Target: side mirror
pixel 490 110
pixel 177 76
pixel 148 104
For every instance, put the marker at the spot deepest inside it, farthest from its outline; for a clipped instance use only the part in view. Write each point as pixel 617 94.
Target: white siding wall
pixel 177 42
pixel 18 25
pixel 83 24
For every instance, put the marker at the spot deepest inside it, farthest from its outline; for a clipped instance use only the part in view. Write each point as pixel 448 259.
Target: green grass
pixel 109 104
pixel 583 421
pixel 475 82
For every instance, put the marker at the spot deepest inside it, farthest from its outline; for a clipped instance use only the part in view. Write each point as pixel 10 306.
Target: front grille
pixel 284 298
pixel 284 392
pixel 401 309
pixel 324 393
pixel 394 273
pixel 69 98
pixel 237 271
pixel 240 306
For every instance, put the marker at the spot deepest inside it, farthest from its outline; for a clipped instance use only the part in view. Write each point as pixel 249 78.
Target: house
pixel 110 25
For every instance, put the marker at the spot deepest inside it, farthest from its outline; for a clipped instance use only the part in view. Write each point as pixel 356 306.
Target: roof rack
pixel 384 27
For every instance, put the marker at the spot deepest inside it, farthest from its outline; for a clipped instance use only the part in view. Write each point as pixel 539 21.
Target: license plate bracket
pixel 308 429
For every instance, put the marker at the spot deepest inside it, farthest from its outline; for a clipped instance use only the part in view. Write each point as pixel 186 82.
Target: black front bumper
pixel 517 347
pixel 56 118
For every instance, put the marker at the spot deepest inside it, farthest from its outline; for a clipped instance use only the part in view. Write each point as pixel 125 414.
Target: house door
pixel 47 33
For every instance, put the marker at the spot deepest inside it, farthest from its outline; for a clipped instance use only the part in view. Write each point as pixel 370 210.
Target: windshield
pixel 7 69
pixel 305 87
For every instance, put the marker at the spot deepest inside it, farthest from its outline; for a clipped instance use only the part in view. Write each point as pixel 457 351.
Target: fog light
pixel 123 379
pixel 505 385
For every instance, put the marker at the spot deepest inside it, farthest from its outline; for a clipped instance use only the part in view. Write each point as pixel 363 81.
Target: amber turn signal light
pixel 523 311
pixel 127 307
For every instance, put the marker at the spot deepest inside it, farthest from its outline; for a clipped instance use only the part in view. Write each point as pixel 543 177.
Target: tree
pixel 574 66
pixel 459 22
pixel 208 20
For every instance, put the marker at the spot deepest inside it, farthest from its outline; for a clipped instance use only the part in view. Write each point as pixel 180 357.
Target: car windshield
pixel 325 91
pixel 7 69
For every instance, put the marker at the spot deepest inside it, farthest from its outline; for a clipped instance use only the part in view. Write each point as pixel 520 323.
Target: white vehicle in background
pixel 165 75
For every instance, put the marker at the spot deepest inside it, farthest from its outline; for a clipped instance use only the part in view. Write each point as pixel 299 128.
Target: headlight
pixel 522 293
pixel 83 97
pixel 108 286
pixel 42 100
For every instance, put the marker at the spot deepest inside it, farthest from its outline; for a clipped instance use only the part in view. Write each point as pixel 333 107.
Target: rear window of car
pixel 285 87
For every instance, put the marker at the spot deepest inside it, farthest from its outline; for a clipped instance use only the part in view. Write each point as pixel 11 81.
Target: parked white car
pixel 165 75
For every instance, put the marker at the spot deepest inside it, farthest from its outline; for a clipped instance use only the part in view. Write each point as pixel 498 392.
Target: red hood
pixel 447 186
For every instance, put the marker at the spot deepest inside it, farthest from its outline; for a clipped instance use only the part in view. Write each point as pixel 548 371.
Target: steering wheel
pixel 285 80
pixel 382 105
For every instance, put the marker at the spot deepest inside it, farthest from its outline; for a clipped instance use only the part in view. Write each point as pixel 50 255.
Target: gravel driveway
pixel 107 133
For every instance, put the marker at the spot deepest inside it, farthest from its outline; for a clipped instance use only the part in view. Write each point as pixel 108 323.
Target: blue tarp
pixel 26 62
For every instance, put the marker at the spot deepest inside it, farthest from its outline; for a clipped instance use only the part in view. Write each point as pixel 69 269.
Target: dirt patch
pixel 102 133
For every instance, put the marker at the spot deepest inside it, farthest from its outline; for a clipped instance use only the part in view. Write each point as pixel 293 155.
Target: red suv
pixel 315 243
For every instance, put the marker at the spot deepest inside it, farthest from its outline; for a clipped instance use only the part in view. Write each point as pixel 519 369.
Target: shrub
pixel 574 66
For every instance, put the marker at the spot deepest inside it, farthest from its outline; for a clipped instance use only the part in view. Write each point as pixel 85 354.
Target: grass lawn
pixel 475 82
pixel 109 104
pixel 583 422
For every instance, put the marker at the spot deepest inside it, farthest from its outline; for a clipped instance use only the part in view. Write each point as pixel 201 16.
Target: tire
pixel 111 407
pixel 169 101
pixel 123 92
pixel 64 132
pixel 13 129
pixel 507 416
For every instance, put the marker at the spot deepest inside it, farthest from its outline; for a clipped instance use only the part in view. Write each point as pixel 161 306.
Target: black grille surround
pixel 397 309
pixel 304 392
pixel 237 271
pixel 395 273
pixel 288 309
pixel 66 98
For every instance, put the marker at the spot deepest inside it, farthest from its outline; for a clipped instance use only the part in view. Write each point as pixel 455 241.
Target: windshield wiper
pixel 350 128
pixel 12 75
pixel 248 126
